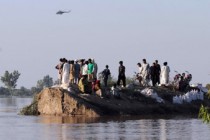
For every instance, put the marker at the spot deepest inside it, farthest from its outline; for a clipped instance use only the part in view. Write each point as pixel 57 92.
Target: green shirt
pixel 90 68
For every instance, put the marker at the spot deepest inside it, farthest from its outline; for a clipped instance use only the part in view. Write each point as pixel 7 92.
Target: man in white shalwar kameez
pixel 145 73
pixel 164 74
pixel 65 76
pixel 139 75
pixel 85 68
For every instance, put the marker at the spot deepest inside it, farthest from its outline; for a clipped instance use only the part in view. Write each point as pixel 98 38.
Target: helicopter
pixel 60 12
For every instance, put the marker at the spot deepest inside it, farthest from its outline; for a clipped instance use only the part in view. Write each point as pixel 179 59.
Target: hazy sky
pixel 33 37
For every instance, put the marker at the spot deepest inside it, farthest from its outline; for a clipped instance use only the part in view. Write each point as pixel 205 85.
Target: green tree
pixel 57 82
pixel 35 90
pixel 10 79
pixel 47 81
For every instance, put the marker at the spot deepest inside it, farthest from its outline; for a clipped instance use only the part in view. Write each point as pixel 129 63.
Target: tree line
pixel 9 79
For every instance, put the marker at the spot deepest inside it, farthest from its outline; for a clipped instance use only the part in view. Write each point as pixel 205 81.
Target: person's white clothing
pixel 164 75
pixel 85 69
pixel 145 73
pixel 65 76
pixel 140 71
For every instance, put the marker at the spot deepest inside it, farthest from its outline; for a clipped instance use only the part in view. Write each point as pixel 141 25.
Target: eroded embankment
pixel 57 101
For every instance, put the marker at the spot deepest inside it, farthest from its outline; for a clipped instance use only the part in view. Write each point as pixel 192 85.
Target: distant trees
pixel 5 91
pixel 10 82
pixel 10 79
pixel 47 81
pixel 22 92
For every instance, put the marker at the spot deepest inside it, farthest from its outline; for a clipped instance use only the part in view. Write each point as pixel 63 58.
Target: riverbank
pixel 57 101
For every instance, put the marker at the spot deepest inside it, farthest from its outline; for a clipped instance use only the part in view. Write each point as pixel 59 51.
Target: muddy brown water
pixel 18 127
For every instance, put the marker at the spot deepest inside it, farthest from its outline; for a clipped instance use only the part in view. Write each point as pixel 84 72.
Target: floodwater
pixel 18 127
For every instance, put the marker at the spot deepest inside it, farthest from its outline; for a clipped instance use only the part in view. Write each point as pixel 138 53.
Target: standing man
pixel 157 72
pixel 152 74
pixel 77 72
pixel 59 67
pixel 139 74
pixel 145 73
pixel 106 73
pixel 95 70
pixel 65 74
pixel 72 72
pixel 90 70
pixel 121 76
pixel 85 68
pixel 164 75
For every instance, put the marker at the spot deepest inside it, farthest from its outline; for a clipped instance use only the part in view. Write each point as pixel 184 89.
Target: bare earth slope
pixel 57 101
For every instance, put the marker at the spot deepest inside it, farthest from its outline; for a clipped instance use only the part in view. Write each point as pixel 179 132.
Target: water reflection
pixel 123 128
pixel 66 119
pixel 162 129
pixel 14 102
pixel 8 102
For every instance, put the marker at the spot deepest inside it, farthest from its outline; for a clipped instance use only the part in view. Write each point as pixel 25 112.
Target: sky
pixel 33 37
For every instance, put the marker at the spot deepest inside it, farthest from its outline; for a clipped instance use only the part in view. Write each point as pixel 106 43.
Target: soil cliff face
pixel 56 101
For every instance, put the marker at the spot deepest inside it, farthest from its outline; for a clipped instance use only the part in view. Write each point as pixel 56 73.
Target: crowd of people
pixel 182 81
pixel 157 74
pixel 80 72
pixel 84 73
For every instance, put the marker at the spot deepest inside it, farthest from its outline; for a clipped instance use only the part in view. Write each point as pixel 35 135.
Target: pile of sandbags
pixel 197 93
pixel 189 97
pixel 152 94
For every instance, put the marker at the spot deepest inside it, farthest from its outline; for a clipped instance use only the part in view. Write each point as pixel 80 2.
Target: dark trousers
pixel 105 81
pixel 154 80
pixel 157 77
pixel 121 78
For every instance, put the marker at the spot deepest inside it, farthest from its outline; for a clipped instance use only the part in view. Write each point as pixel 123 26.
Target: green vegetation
pixel 204 113
pixel 47 81
pixel 31 109
pixel 10 82
pixel 10 79
pixel 208 87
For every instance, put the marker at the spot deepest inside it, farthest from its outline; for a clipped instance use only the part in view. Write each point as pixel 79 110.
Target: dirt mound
pixel 57 101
